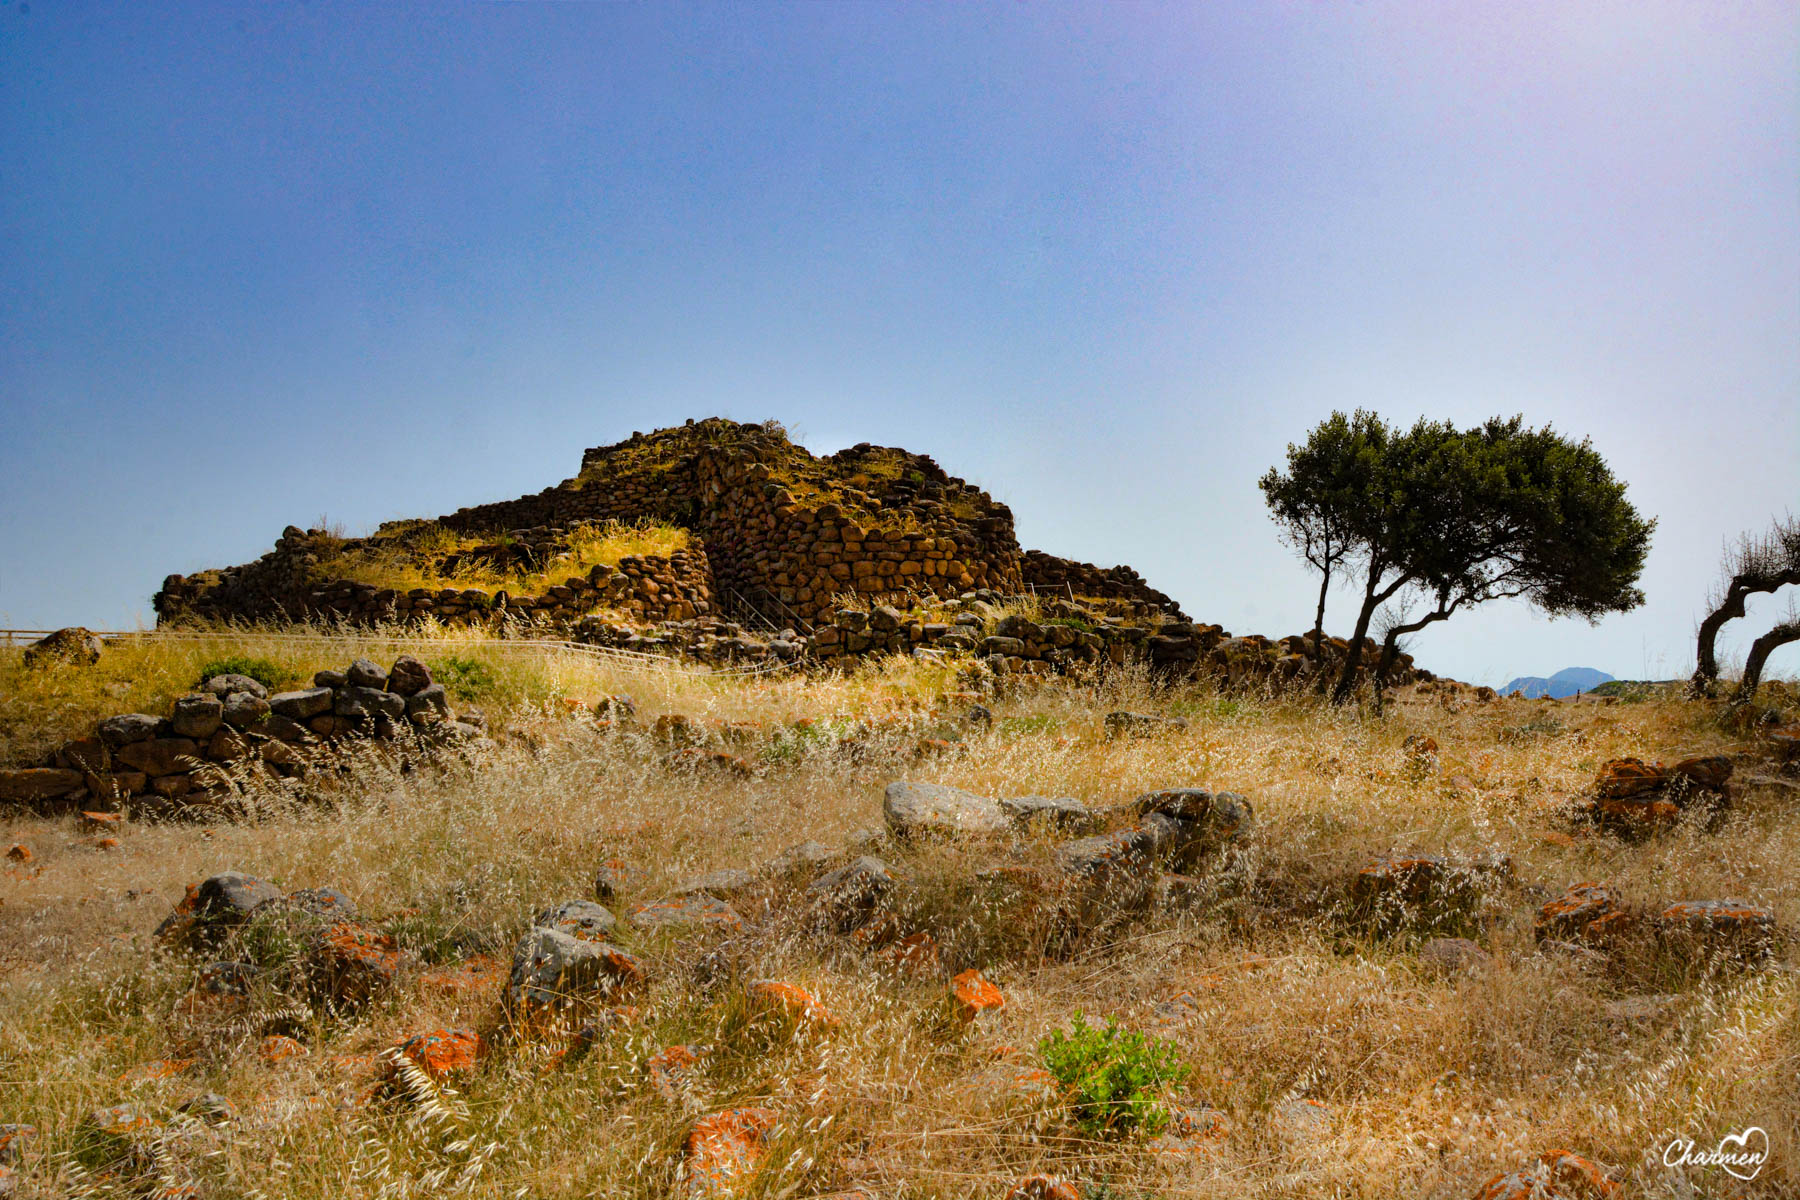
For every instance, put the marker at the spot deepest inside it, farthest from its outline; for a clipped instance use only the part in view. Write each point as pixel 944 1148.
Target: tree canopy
pixel 1454 518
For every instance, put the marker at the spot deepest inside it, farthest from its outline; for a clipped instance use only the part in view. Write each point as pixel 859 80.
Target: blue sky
pixel 260 264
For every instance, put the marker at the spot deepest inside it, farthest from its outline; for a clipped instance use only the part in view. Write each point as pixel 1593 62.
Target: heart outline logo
pixel 1743 1153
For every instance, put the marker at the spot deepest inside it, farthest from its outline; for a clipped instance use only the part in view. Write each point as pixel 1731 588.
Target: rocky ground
pixel 864 935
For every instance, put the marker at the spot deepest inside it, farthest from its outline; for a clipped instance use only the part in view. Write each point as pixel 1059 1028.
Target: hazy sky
pixel 263 263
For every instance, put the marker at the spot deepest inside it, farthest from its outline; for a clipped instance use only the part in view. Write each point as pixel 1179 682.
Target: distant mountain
pixel 1565 682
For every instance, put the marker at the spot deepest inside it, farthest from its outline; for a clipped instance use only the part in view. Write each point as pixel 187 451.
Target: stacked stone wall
pixel 1047 573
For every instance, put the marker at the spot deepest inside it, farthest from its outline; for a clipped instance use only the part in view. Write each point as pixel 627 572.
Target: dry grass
pixel 403 558
pixel 1433 1084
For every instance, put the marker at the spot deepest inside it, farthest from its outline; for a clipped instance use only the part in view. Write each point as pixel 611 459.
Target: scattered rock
pixel 19 853
pixel 440 1053
pixel 614 877
pixel 1141 725
pixel 351 964
pixel 849 896
pixel 916 809
pixel 791 1001
pixel 672 1070
pixel 74 646
pixel 722 1151
pixel 582 919
pixel 725 883
pixel 696 908
pixel 1454 955
pixel 1060 812
pixel 551 968
pixel 1045 1187
pixel 1732 928
pixel 972 997
pixel 215 905
pixel 1590 914
pixel 795 859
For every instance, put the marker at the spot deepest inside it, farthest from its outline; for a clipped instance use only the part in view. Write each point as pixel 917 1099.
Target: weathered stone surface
pixel 1733 927
pixel 697 908
pixel 1143 725
pixel 214 906
pixel 1454 955
pixel 223 686
pixel 160 756
pixel 126 728
pixel 1045 1187
pixel 331 679
pixel 366 674
pixel 430 703
pixel 1060 812
pixel 581 919
pixel 973 997
pixel 441 1053
pixel 74 646
pixel 351 964
pixel 724 883
pixel 850 895
pixel 551 968
pixel 789 1000
pixel 84 754
pixel 303 704
pixel 1117 869
pixel 242 710
pixel 1586 913
pixel 36 784
pixel 799 858
pixel 409 676
pixel 197 715
pixel 914 809
pixel 722 1151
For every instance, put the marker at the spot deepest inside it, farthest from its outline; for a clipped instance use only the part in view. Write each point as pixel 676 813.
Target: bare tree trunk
pixel 1760 649
pixel 1390 645
pixel 1706 669
pixel 1318 628
pixel 1742 586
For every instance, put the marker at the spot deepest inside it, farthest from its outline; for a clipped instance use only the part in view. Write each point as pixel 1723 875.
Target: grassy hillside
pixel 1334 1055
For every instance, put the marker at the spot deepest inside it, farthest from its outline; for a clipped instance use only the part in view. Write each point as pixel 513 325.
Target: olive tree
pixel 1449 519
pixel 1754 564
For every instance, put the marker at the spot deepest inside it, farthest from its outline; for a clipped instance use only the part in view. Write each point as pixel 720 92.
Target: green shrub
pixel 271 675
pixel 464 678
pixel 1113 1076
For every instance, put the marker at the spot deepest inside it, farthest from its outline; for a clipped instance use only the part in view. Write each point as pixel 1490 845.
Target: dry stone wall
pixel 1047 573
pixel 232 734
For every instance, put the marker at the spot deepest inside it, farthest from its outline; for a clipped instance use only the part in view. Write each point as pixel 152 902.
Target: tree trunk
pixel 1346 684
pixel 1760 649
pixel 1706 668
pixel 1318 628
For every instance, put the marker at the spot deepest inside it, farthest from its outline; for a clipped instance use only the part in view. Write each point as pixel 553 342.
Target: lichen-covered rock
pixel 214 906
pixel 1141 725
pixel 582 919
pixel 790 1001
pixel 440 1053
pixel 973 997
pixel 551 968
pixel 695 908
pixel 1586 913
pixel 722 1151
pixel 1733 928
pixel 1057 812
pixel 74 646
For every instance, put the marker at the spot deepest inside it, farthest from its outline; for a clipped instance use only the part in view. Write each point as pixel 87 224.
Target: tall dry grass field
pixel 1427 1081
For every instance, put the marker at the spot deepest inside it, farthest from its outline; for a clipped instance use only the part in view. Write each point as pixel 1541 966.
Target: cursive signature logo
pixel 1740 1154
